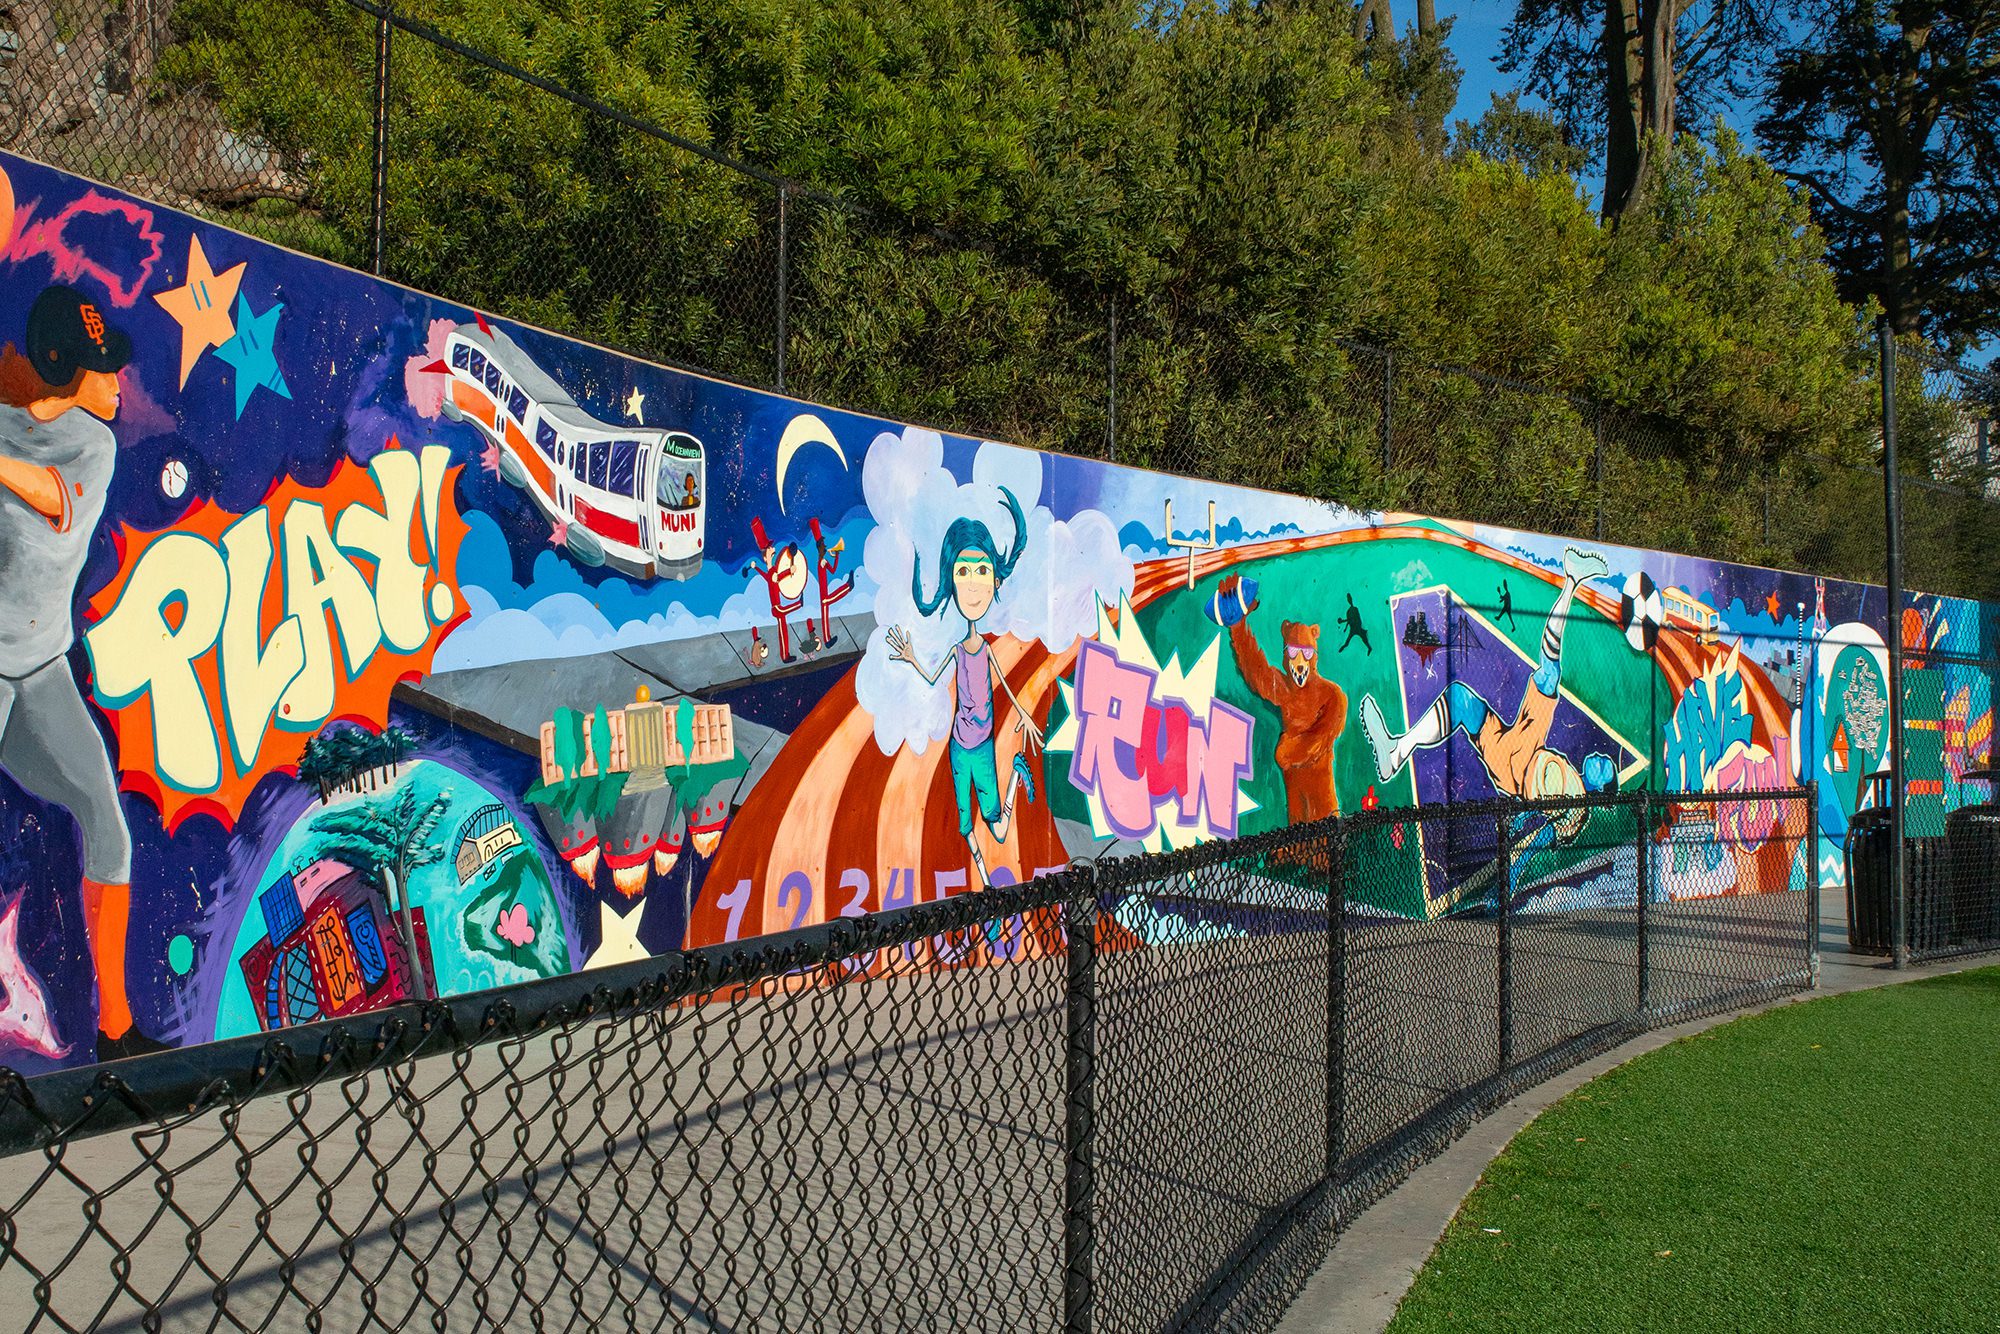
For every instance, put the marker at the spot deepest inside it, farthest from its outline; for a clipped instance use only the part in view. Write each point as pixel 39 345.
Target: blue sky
pixel 1475 40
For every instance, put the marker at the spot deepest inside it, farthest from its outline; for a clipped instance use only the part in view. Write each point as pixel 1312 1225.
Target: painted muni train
pixel 628 497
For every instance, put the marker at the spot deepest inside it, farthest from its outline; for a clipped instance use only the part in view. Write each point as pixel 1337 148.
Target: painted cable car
pixel 632 498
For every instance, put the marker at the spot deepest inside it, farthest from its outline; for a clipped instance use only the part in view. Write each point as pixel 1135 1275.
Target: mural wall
pixel 356 646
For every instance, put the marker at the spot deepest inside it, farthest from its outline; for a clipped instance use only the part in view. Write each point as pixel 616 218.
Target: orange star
pixel 201 305
pixel 1772 605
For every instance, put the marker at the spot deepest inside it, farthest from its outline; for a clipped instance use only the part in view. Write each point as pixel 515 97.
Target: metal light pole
pixel 378 220
pixel 1899 912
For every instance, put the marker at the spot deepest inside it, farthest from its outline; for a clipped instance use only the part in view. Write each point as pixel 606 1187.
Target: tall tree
pixel 1374 19
pixel 1891 116
pixel 386 840
pixel 1626 74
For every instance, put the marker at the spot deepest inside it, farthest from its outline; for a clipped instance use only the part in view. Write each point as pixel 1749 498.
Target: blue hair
pixel 970 535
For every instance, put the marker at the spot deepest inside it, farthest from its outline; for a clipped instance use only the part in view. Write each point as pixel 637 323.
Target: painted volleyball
pixel 1226 609
pixel 174 479
pixel 1640 611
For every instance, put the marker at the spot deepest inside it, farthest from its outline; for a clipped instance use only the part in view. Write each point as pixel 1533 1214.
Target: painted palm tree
pixel 386 841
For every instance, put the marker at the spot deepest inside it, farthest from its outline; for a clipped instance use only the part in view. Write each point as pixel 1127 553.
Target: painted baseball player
pixel 1515 752
pixel 56 458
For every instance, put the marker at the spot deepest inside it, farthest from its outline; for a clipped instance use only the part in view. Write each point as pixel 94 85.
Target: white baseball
pixel 174 479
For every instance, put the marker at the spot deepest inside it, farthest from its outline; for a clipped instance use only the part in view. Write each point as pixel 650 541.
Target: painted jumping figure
pixel 1514 752
pixel 970 573
pixel 1355 629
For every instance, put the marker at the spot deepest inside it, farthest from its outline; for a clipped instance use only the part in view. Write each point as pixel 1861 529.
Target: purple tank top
pixel 973 723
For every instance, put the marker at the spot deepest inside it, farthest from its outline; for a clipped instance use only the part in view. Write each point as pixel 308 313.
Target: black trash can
pixel 1928 881
pixel 1972 851
pixel 1952 881
pixel 1866 851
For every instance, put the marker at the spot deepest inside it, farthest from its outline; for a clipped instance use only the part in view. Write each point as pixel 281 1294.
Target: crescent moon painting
pixel 804 429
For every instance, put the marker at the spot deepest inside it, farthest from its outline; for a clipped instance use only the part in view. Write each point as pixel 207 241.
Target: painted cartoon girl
pixel 970 572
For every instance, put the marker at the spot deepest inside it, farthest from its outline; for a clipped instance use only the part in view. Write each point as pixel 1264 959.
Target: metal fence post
pixel 1643 843
pixel 1597 467
pixel 784 276
pixel 1388 411
pixel 1111 390
pixel 1505 891
pixel 1653 710
pixel 1336 998
pixel 1899 913
pixel 1812 883
pixel 378 221
pixel 1079 1121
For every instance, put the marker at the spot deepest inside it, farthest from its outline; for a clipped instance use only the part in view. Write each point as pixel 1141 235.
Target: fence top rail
pixel 1926 656
pixel 1931 361
pixel 424 32
pixel 87 1101
pixel 1734 797
pixel 785 185
pixel 1118 872
pixel 1498 806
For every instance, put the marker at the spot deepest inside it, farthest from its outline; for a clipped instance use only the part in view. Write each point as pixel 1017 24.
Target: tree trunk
pixel 1902 129
pixel 1658 96
pixel 1640 95
pixel 1427 18
pixel 150 20
pixel 1624 62
pixel 1373 19
pixel 1896 308
pixel 399 913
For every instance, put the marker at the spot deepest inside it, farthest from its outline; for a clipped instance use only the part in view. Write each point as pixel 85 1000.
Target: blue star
pixel 250 352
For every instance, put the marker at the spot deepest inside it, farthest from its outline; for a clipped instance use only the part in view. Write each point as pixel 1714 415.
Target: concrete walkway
pixel 1375 1260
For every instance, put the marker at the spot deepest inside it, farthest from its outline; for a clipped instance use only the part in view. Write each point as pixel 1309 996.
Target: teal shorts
pixel 974 773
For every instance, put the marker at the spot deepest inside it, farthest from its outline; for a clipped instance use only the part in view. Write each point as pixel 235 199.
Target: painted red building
pixel 329 948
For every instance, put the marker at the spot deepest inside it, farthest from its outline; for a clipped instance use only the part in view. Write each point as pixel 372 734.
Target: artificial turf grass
pixel 1831 1165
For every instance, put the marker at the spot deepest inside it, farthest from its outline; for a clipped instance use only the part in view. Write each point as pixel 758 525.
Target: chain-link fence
pixel 1946 426
pixel 1950 886
pixel 1138 1096
pixel 534 171
pixel 1922 861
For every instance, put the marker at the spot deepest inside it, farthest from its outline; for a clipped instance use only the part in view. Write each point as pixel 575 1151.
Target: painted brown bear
pixel 1311 709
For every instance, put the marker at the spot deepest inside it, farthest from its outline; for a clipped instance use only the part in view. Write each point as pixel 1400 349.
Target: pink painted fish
pixel 24 1018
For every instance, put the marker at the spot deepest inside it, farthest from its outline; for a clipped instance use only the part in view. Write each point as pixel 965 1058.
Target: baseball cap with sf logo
pixel 67 334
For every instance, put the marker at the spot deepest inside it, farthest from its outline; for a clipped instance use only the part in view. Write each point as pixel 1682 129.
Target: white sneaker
pixel 1579 566
pixel 1379 741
